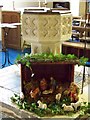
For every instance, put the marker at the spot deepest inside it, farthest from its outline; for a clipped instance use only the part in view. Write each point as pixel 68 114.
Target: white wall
pixel 11 4
pixel 7 4
pixel 74 7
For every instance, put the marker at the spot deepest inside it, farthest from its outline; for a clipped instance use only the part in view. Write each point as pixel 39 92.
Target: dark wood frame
pixel 63 73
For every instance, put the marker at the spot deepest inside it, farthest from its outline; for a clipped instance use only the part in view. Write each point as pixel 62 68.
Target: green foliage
pixel 85 109
pixel 27 59
pixel 71 57
pixel 24 59
pixel 83 60
pixel 54 108
pixel 66 100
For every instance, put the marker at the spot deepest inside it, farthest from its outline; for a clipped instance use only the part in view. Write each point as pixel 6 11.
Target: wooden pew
pixel 81 29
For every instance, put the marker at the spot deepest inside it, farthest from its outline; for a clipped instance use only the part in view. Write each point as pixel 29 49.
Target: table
pixel 6 27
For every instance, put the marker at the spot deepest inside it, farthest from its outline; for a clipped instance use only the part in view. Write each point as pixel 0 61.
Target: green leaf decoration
pixel 53 108
pixel 28 59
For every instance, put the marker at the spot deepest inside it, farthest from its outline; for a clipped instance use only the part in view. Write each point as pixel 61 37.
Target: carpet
pixel 13 53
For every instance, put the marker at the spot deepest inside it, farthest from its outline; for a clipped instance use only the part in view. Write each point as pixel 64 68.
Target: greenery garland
pixel 27 59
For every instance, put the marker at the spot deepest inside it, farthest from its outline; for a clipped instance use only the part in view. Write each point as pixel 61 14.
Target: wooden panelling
pixel 14 34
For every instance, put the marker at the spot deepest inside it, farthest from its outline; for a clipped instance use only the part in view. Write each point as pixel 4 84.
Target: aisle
pixel 10 78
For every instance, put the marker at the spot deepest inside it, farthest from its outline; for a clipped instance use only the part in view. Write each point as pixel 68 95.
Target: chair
pixel 26 46
pixel 76 22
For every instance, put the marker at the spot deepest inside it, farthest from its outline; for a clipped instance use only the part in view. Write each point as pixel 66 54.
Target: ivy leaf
pixel 83 60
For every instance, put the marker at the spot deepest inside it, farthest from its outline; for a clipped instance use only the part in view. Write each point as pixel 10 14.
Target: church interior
pixel 45 59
